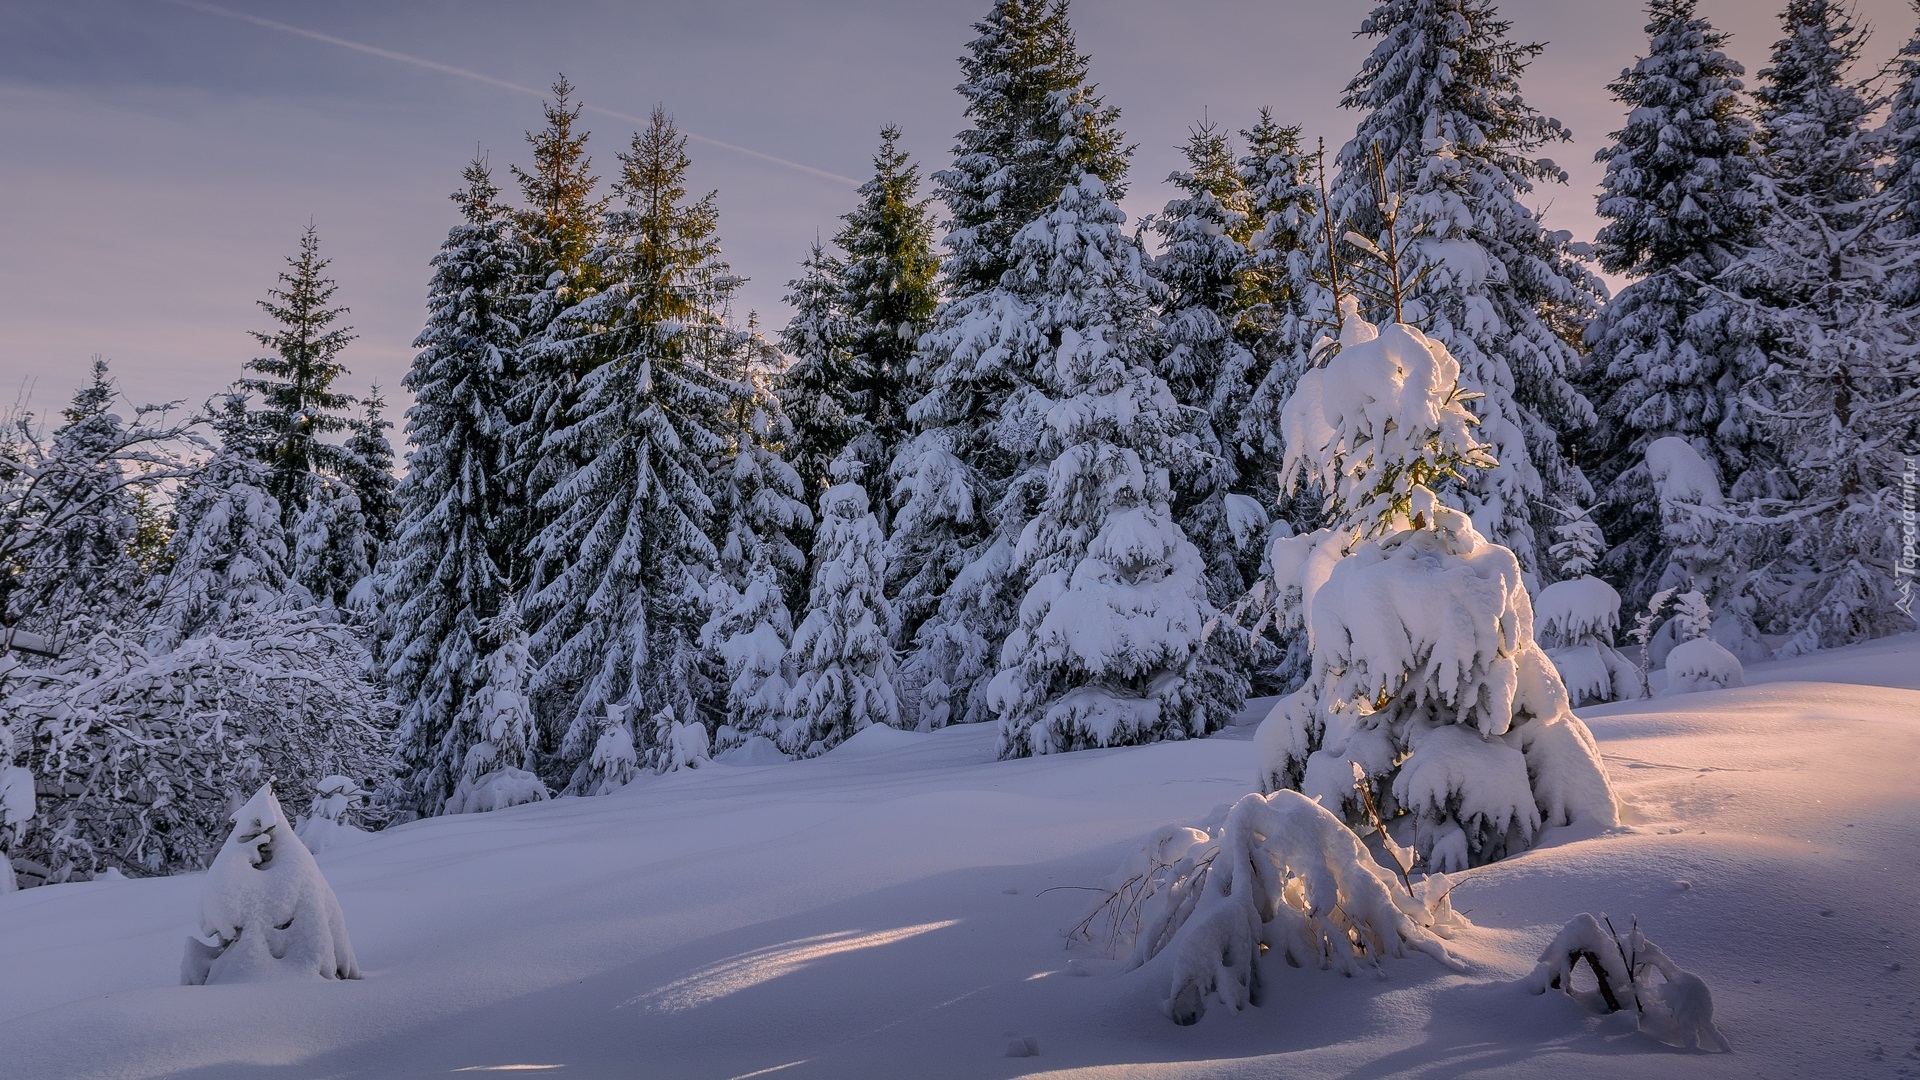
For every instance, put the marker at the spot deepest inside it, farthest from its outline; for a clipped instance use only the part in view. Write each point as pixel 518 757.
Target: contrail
pixel 481 77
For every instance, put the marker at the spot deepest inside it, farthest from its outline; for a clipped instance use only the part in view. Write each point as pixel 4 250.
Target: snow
pixel 882 914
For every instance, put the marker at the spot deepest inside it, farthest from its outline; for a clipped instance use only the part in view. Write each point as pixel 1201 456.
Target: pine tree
pixel 1458 144
pixel 842 654
pixel 81 576
pixel 888 293
pixel 299 405
pixel 629 543
pixel 821 390
pixel 1680 207
pixel 963 483
pixel 451 568
pixel 1106 649
pixel 1837 400
pixel 761 509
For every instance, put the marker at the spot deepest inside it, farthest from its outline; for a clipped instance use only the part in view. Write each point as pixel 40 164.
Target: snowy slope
pixel 878 912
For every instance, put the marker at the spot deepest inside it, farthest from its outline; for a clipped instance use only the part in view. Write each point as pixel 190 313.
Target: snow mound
pixel 497 790
pixel 267 912
pixel 877 739
pixel 757 750
pixel 1701 664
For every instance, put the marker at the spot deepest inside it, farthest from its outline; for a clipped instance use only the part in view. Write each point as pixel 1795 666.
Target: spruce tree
pixel 332 545
pixel 1901 172
pixel 821 390
pixel 1680 207
pixel 888 293
pixel 1283 207
pixel 299 405
pixel 1836 401
pixel 629 540
pixel 842 654
pixel 761 513
pixel 228 555
pixel 1204 267
pixel 1106 649
pixel 451 568
pixel 80 575
pixel 963 483
pixel 370 470
pixel 1444 116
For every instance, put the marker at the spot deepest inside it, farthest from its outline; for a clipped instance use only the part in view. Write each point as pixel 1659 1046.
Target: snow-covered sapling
pixel 267 912
pixel 334 798
pixel 842 655
pixel 1425 670
pixel 1576 617
pixel 1272 876
pixel 1698 662
pixel 1677 1010
pixel 614 761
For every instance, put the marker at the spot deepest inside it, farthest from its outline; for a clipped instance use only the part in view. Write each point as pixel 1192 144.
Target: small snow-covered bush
pixel 267 912
pixel 1271 876
pixel 614 761
pixel 1425 671
pixel 326 821
pixel 496 790
pixel 1702 664
pixel 1576 618
pixel 1677 1010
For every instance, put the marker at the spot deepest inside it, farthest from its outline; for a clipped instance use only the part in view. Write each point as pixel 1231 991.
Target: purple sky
pixel 162 156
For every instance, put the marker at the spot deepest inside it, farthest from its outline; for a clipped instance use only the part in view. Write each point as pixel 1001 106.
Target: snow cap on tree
pixel 266 911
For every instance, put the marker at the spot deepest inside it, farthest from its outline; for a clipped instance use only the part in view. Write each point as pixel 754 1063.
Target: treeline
pixel 1027 478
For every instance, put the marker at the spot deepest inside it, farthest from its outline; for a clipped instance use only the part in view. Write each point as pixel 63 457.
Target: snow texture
pixel 266 911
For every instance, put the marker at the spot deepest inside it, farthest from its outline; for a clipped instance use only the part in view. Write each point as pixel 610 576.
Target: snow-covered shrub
pixel 267 912
pixel 1576 617
pixel 137 750
pixel 325 823
pixel 1677 1010
pixel 1425 670
pixel 749 633
pixel 1695 523
pixel 614 761
pixel 682 745
pixel 496 724
pixel 1271 876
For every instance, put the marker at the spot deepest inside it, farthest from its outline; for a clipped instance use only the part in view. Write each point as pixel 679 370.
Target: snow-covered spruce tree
pixel 1693 521
pixel 1837 400
pixel 749 632
pixel 1443 114
pixel 842 655
pixel 494 728
pixel 1107 650
pixel 555 231
pixel 1680 206
pixel 1696 661
pixel 332 545
pixel 617 619
pixel 888 293
pixel 298 405
pixel 1203 266
pixel 228 554
pixel 78 575
pixel 820 391
pixel 1577 616
pixel 965 483
pixel 267 912
pixel 451 567
pixel 370 472
pixel 1900 173
pixel 1426 683
pixel 1283 205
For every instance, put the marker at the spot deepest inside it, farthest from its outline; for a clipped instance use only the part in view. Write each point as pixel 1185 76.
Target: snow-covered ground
pixel 883 912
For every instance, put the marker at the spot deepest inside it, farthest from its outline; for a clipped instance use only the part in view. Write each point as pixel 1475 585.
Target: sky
pixel 161 157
